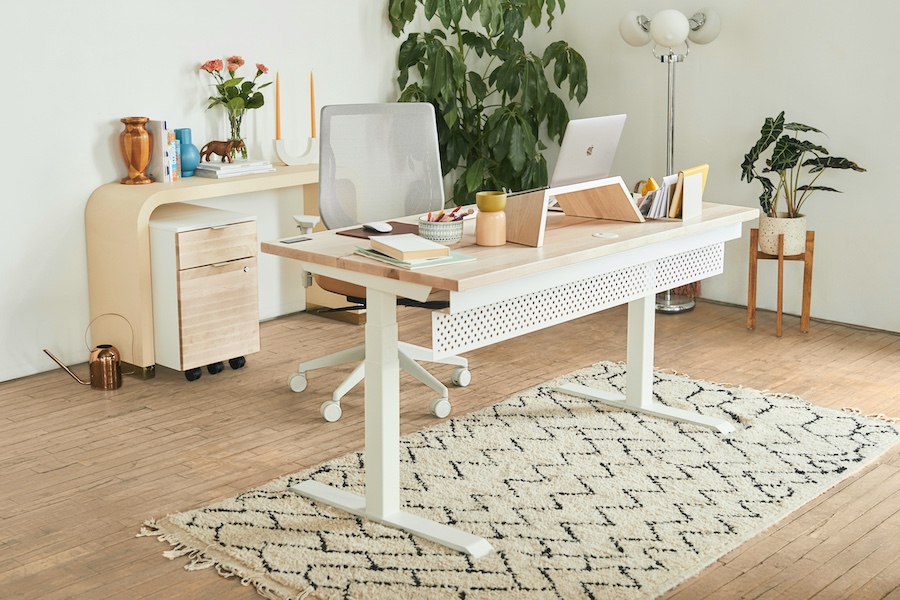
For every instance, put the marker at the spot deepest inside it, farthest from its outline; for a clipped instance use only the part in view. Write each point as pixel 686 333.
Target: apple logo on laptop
pixel 590 150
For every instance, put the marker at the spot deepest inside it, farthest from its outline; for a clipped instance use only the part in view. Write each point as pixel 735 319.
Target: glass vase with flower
pixel 235 93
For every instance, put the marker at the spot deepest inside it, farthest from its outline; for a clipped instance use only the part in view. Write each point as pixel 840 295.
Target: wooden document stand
pixel 601 199
pixel 756 256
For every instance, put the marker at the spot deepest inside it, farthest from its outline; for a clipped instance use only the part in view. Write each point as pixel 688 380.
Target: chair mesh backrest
pixel 378 162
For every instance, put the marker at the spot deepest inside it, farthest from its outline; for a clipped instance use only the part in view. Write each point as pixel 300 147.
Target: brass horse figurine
pixel 223 149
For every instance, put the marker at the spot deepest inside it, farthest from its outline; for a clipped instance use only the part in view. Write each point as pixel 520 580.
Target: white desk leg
pixel 639 375
pixel 639 355
pixel 382 453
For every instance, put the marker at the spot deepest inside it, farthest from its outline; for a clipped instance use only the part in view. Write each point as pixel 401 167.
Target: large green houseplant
pixel 491 94
pixel 786 161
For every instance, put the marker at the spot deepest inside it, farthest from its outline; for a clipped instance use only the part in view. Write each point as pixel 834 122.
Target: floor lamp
pixel 670 31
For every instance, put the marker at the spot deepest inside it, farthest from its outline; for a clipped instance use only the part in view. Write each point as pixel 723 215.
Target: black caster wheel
pixel 193 374
pixel 215 368
pixel 237 363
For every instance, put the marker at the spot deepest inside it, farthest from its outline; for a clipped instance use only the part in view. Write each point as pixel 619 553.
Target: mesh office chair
pixel 378 162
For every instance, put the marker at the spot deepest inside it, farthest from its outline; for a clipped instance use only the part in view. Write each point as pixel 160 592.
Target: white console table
pixel 118 249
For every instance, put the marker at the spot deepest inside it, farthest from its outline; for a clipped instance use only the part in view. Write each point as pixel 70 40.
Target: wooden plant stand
pixel 756 256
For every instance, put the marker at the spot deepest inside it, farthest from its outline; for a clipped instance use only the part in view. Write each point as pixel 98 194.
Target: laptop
pixel 587 150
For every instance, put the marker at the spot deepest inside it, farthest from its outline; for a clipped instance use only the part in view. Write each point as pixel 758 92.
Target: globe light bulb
pixel 631 30
pixel 669 28
pixel 710 28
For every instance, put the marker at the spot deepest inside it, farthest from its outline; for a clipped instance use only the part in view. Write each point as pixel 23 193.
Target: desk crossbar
pixel 455 333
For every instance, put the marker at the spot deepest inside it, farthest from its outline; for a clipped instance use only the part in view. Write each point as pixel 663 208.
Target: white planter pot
pixel 794 231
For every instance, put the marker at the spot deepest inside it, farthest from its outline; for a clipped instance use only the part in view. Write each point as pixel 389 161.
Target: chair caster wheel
pixel 440 407
pixel 238 362
pixel 215 368
pixel 331 411
pixel 297 382
pixel 193 374
pixel 461 377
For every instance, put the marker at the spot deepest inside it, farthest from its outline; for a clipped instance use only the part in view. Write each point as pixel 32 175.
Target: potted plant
pixel 490 93
pixel 788 157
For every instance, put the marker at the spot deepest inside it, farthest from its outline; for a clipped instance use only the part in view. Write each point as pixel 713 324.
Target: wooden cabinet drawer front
pixel 218 310
pixel 215 245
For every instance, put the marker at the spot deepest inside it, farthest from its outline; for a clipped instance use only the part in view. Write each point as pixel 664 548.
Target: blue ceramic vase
pixel 190 156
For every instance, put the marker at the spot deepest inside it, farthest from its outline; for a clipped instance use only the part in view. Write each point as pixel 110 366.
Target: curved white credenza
pixel 118 249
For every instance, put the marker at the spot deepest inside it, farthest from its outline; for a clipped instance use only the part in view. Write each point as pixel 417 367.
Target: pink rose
pixel 235 60
pixel 261 68
pixel 211 65
pixel 232 67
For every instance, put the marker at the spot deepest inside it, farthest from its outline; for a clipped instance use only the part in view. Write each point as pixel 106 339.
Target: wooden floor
pixel 82 469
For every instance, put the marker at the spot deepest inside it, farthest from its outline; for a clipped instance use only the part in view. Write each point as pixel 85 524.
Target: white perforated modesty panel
pixel 498 321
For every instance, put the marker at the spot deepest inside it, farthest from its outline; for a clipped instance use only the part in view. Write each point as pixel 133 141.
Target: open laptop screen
pixel 587 150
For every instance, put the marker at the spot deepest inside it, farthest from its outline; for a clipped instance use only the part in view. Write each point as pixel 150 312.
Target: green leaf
pixel 513 23
pixel 478 87
pixel 557 117
pixel 490 16
pixel 765 199
pixel 517 146
pixel 770 132
pixel 401 12
pixel 449 12
pixel 475 175
pixel 560 69
pixel 255 101
pixel 413 93
pixel 747 170
pixel 785 155
pixel 822 188
pixel 801 127
pixel 820 163
pixel 430 7
pixel 578 79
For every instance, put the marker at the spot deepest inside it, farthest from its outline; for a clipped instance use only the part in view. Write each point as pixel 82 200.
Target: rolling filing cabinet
pixel 204 288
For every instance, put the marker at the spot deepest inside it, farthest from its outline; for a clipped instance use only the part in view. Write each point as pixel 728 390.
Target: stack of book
pixel 679 197
pixel 410 251
pixel 240 166
pixel 165 159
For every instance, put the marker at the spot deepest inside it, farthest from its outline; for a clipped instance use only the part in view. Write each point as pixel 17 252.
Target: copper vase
pixel 136 145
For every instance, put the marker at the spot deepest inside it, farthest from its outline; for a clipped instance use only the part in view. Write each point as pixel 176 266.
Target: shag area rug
pixel 579 500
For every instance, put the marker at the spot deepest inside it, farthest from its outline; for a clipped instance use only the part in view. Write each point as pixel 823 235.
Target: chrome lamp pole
pixel 669 302
pixel 670 29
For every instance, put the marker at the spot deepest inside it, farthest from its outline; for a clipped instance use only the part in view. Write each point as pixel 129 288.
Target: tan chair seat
pixel 336 286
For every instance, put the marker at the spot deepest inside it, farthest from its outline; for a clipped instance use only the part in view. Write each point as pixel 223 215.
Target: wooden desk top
pixel 567 240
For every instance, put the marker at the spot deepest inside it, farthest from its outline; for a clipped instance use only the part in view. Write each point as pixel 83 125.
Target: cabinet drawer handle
pixel 222 264
pixel 220 226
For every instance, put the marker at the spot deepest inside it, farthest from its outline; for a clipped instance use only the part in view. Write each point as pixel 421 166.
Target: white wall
pixel 79 67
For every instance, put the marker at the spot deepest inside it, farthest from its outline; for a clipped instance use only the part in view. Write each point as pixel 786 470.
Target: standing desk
pixel 509 291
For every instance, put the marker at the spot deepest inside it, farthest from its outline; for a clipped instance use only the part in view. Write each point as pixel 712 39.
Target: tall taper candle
pixel 277 107
pixel 312 105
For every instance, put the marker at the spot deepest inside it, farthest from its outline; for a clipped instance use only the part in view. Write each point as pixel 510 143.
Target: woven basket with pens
pixel 443 232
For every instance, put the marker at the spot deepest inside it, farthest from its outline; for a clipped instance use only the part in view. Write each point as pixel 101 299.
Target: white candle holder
pixel 311 155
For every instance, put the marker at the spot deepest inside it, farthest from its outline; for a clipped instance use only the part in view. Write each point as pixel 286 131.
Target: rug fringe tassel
pixel 199 561
pixel 876 416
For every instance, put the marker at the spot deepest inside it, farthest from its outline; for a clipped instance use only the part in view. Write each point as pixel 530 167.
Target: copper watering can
pixel 105 367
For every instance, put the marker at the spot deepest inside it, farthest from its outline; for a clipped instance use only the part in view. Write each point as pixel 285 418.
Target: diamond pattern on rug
pixel 579 499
